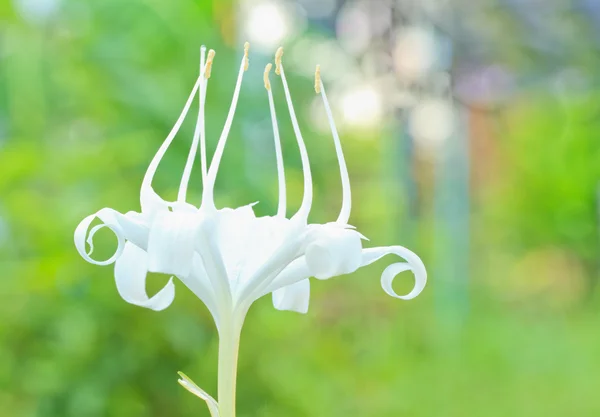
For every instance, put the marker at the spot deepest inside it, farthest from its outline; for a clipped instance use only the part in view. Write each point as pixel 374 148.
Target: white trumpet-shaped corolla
pixel 229 257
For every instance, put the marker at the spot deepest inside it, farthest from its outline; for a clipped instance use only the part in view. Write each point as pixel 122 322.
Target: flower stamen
pixel 281 208
pixel 198 136
pixel 318 79
pixel 147 195
pixel 266 76
pixel 203 163
pixel 246 59
pixel 208 190
pixel 278 56
pixel 346 192
pixel 209 62
pixel 307 199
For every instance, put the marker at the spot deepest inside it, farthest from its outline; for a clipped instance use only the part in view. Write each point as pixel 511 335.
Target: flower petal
pixel 234 230
pixel 207 246
pixel 171 242
pixel 413 264
pixel 332 251
pixel 296 271
pixel 283 255
pixel 109 217
pixel 199 283
pixel 135 227
pixel 265 236
pixel 130 276
pixel 293 297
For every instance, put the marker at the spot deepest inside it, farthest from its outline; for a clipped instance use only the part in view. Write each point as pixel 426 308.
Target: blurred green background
pixel 470 133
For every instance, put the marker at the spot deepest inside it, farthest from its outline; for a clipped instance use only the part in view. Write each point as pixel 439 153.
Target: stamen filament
pixel 307 199
pixel 187 172
pixel 202 122
pixel 346 193
pixel 147 181
pixel 208 190
pixel 281 208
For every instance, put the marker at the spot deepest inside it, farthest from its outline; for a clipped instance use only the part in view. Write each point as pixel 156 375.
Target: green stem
pixel 229 342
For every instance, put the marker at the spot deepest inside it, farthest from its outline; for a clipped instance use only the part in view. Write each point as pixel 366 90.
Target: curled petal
pixel 294 297
pixel 90 238
pixel 171 242
pixel 413 263
pixel 130 276
pixel 110 219
pixel 135 227
pixel 332 251
pixel 191 386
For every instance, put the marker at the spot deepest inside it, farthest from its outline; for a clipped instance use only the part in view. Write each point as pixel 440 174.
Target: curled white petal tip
pixel 162 299
pixel 189 385
pixel 109 218
pixel 131 270
pixel 413 263
pixel 90 238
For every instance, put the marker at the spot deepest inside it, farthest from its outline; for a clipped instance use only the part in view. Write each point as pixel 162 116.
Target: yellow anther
pixel 278 56
pixel 318 79
pixel 209 62
pixel 266 76
pixel 246 60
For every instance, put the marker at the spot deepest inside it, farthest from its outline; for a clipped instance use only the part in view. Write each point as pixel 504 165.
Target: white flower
pixel 229 257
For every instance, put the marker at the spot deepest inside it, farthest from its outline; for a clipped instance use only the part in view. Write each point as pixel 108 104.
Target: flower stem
pixel 229 342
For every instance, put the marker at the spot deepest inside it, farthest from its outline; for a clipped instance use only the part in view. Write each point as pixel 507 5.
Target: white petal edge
pixel 413 264
pixel 130 276
pixel 191 386
pixel 293 297
pixel 109 217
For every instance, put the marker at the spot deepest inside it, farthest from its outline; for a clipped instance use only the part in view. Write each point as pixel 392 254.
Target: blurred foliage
pixel 86 97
